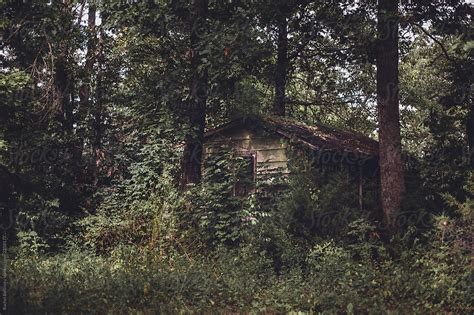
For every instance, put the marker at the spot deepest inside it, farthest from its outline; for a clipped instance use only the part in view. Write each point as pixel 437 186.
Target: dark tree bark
pixel 192 154
pixel 63 91
pixel 390 162
pixel 93 103
pixel 63 98
pixel 281 67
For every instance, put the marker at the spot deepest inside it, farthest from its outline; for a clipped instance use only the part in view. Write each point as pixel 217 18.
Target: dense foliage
pixel 95 113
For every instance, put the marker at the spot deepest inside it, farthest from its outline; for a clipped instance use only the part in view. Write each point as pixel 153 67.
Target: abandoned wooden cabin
pixel 269 143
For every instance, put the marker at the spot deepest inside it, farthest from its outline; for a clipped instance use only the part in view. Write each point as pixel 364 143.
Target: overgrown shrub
pixel 334 279
pixel 152 249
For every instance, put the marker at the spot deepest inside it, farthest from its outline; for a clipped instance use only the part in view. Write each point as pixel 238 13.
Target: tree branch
pixel 440 44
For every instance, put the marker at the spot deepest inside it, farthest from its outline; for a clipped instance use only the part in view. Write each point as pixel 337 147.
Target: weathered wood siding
pixel 270 151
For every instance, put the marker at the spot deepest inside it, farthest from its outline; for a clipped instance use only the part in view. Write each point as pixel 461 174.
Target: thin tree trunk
pixel 85 89
pixel 281 66
pixel 390 162
pixel 470 137
pixel 192 154
pixel 97 122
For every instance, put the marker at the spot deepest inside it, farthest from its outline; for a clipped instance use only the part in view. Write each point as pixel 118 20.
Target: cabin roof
pixel 315 136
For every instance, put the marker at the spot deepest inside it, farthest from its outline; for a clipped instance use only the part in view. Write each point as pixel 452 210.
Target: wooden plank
pixel 271 161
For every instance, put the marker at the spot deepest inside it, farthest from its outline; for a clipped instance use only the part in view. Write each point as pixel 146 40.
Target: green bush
pixel 208 250
pixel 334 278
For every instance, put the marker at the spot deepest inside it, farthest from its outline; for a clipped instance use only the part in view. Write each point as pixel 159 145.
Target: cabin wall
pixel 272 154
pixel 269 151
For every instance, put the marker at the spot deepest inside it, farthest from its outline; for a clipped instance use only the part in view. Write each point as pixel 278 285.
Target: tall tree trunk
pixel 281 66
pixel 470 137
pixel 87 107
pixel 63 78
pixel 97 119
pixel 63 87
pixel 85 89
pixel 93 103
pixel 192 154
pixel 391 164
